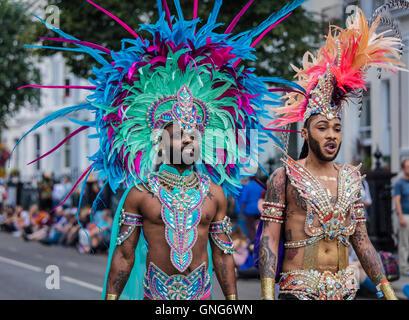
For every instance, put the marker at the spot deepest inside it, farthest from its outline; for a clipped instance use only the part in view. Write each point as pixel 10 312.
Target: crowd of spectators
pixel 38 222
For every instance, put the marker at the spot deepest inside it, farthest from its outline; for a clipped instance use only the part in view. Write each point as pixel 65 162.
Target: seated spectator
pixel 243 255
pixel 56 229
pixel 240 243
pixel 98 234
pixel 40 224
pixel 8 223
pixel 70 236
pixel 21 221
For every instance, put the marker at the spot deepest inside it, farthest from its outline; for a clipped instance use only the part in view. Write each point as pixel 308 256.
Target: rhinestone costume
pixel 181 215
pixel 314 285
pixel 310 284
pixel 159 286
pixel 332 218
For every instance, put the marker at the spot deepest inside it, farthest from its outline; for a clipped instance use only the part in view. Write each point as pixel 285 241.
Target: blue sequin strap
pixel 223 226
pixel 132 220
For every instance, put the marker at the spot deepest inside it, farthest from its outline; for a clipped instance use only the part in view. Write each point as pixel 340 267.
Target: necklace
pixel 184 183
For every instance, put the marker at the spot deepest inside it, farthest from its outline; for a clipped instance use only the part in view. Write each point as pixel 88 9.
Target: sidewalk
pixel 397 286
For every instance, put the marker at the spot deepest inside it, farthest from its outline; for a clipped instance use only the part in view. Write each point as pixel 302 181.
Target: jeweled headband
pixel 320 101
pixel 188 111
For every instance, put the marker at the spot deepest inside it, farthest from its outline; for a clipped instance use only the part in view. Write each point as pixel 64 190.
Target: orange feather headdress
pixel 339 69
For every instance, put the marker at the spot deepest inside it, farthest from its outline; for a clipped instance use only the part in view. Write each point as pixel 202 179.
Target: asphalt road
pixel 29 270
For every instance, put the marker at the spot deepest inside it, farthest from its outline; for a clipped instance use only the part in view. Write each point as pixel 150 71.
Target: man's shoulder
pixel 215 188
pixel 399 181
pixel 138 192
pixel 278 173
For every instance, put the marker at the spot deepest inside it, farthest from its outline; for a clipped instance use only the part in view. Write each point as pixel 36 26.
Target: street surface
pixel 27 269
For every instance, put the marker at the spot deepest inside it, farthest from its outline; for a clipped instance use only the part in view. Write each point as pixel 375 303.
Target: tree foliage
pixel 283 45
pixel 16 67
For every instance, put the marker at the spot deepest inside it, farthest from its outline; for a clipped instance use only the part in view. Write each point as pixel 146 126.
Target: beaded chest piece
pixel 180 211
pixel 332 218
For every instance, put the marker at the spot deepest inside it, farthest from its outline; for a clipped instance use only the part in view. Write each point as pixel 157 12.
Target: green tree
pixel 283 45
pixel 17 66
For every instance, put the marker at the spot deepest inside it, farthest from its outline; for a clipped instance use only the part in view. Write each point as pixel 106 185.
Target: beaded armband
pixel 223 226
pixel 359 212
pixel 272 211
pixel 132 220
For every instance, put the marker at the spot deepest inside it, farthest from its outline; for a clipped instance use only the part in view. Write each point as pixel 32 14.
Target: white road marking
pixel 82 283
pixel 21 264
pixel 38 269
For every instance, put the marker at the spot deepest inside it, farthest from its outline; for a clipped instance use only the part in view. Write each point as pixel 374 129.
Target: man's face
pixel 180 147
pixel 324 137
pixel 405 168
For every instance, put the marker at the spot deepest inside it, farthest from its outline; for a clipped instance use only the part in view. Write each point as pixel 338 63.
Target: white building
pixel 70 159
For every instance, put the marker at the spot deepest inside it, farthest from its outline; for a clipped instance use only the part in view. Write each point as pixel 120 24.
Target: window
pixel 385 139
pixel 17 151
pixel 365 131
pixel 67 90
pixel 37 149
pixel 67 148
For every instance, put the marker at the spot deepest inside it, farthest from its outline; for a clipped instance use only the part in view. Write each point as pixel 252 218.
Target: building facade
pixel 71 158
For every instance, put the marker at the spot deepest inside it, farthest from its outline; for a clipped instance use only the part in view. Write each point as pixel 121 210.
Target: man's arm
pixel 124 255
pixel 398 205
pixel 370 260
pixel 223 262
pixel 270 236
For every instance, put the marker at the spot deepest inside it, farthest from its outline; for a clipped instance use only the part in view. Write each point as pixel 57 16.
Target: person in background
pixel 241 220
pixel 21 220
pixel 249 204
pixel 3 195
pixel 67 185
pixel 58 193
pixel 45 189
pixel 401 198
pixel 241 251
pixel 366 196
pixel 57 228
pixel 8 224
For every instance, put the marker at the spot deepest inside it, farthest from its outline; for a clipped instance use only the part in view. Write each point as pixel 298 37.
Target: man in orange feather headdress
pixel 316 204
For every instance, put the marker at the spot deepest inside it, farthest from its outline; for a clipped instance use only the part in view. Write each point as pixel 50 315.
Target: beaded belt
pixel 159 286
pixel 314 285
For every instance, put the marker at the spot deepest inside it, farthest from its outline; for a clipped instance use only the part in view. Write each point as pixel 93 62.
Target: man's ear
pixel 304 133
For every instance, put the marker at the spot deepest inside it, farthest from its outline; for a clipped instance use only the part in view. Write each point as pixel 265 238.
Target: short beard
pixel 178 158
pixel 315 148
